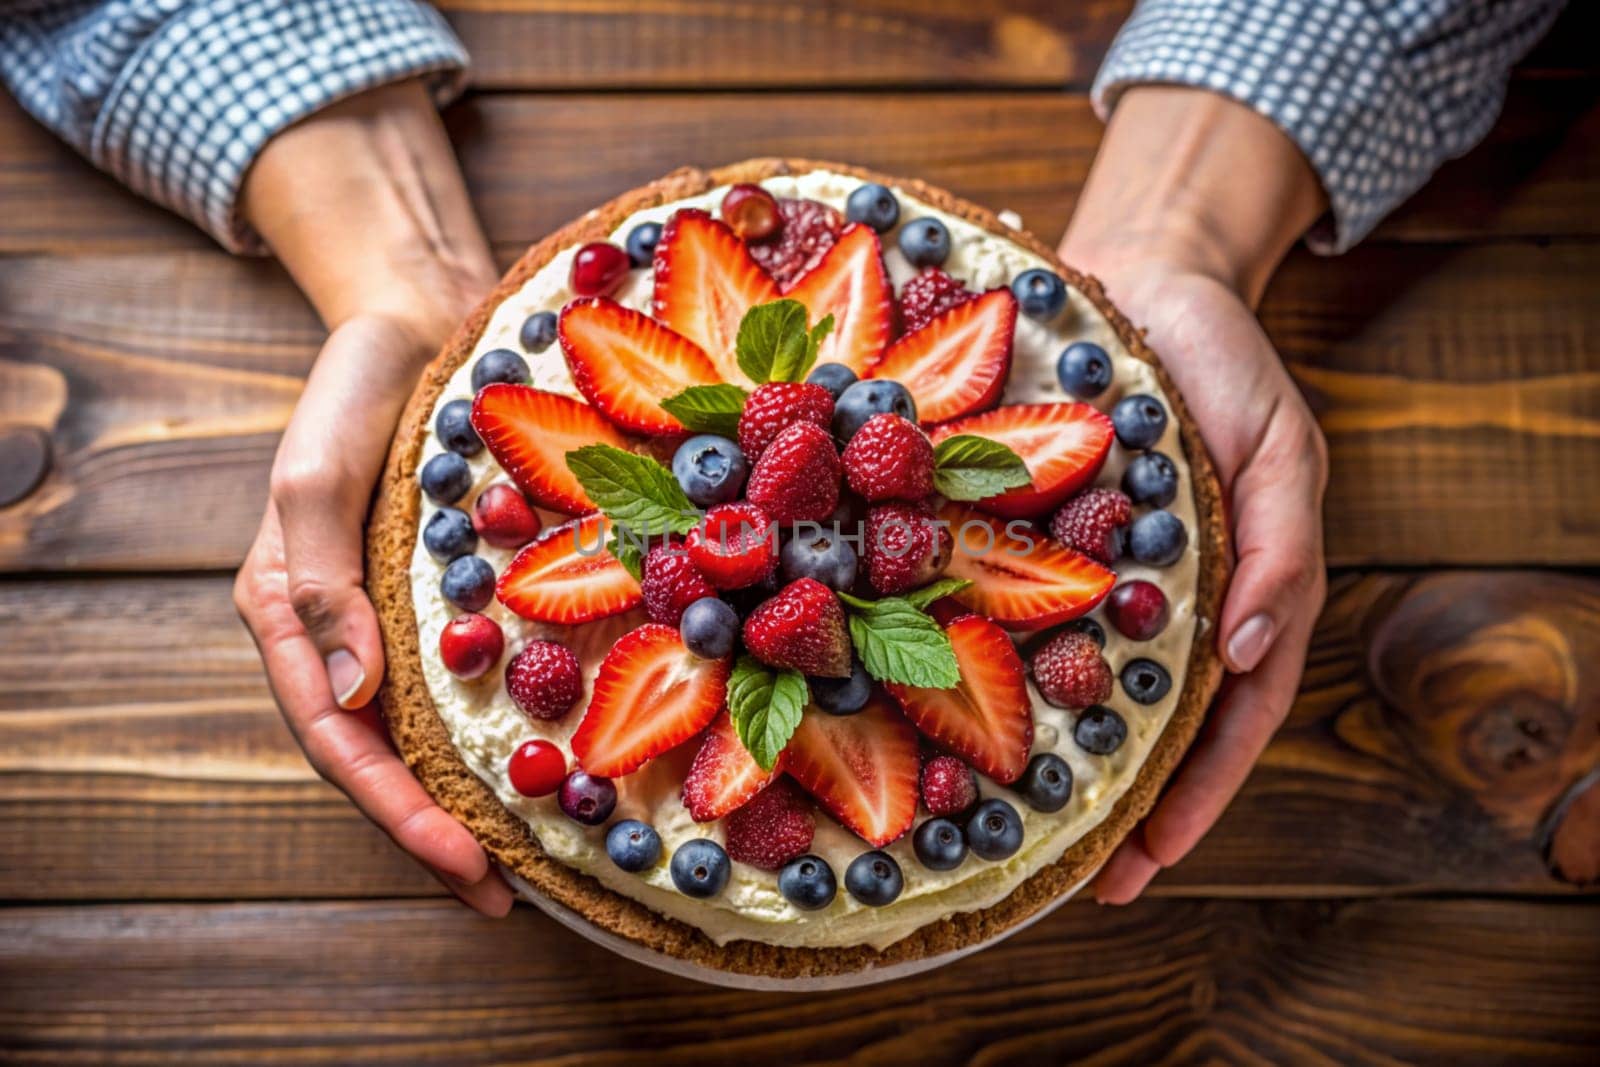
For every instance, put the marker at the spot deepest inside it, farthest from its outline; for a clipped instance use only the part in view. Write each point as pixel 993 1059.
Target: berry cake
pixel 796 572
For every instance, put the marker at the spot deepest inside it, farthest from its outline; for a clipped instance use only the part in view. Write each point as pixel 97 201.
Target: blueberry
pixel 587 799
pixel 925 242
pixel 1088 626
pixel 641 243
pixel 1157 538
pixel 499 365
pixel 861 401
pixel 1040 294
pixel 634 846
pixel 1145 680
pixel 940 845
pixel 449 535
pixel 1100 731
pixel 808 883
pixel 468 583
pixel 1083 369
pixel 454 427
pixel 699 868
pixel 445 478
pixel 822 554
pixel 708 627
pixel 1047 783
pixel 1139 420
pixel 834 377
pixel 994 831
pixel 710 469
pixel 874 878
pixel 874 205
pixel 842 696
pixel 538 331
pixel 1151 478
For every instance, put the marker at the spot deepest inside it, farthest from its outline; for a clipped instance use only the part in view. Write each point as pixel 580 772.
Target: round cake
pixel 793 571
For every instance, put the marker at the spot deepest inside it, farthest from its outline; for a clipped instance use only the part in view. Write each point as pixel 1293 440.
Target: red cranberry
pixel 598 268
pixel 1138 610
pixel 587 799
pixel 504 518
pixel 752 212
pixel 537 768
pixel 470 644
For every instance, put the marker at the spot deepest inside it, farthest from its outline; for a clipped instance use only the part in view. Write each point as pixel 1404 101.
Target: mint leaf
pixel 897 642
pixel 969 467
pixel 708 408
pixel 774 344
pixel 921 598
pixel 634 491
pixel 627 553
pixel 765 708
pixel 787 369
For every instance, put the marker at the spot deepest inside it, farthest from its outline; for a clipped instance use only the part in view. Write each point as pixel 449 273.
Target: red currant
pixel 752 212
pixel 1138 610
pixel 537 768
pixel 470 644
pixel 598 268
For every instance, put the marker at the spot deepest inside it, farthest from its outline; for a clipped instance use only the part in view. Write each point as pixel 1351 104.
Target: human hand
pixel 1184 239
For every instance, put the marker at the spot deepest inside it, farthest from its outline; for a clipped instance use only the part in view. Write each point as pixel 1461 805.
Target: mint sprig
pixel 921 598
pixel 774 344
pixel 708 408
pixel 765 707
pixel 634 491
pixel 628 554
pixel 899 642
pixel 969 467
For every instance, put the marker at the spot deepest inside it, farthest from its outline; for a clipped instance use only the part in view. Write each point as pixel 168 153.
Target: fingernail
pixel 345 676
pixel 1249 643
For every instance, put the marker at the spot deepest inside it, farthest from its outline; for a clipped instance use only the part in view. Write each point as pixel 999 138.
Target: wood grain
pixel 1370 982
pixel 1459 387
pixel 1537 174
pixel 129 769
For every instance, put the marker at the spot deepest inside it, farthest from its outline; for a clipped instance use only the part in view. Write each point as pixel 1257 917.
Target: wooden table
pixel 1402 879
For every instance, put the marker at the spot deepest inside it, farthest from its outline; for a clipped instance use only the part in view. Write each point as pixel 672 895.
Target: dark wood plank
pixel 1537 175
pixel 1458 385
pixel 1367 982
pixel 141 755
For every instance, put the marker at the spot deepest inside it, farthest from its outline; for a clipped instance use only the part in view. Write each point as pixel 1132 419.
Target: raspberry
pixel 1070 671
pixel 889 458
pixel 905 547
pixel 671 583
pixel 774 407
pixel 773 828
pixel 544 680
pixel 802 628
pixel 809 229
pixel 948 786
pixel 797 477
pixel 1093 523
pixel 929 295
pixel 735 546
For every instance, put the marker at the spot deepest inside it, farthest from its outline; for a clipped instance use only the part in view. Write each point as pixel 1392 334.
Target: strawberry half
pixel 1063 445
pixel 987 720
pixel 852 285
pixel 705 281
pixel 567 577
pixel 956 364
pixel 1020 579
pixel 861 768
pixel 724 776
pixel 529 433
pixel 650 694
pixel 626 363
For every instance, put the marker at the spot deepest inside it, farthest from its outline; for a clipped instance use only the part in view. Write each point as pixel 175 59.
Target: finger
pixel 1126 873
pixel 490 896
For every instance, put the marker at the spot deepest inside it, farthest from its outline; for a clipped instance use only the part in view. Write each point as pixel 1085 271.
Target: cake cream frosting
pixel 485 726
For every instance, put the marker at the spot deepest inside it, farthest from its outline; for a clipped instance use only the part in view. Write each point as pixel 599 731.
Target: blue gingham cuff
pixel 217 80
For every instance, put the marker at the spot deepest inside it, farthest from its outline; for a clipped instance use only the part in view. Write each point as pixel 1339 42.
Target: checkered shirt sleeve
pixel 1376 94
pixel 176 97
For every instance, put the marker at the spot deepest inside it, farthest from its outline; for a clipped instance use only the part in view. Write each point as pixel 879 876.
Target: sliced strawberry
pixel 705 282
pixel 1063 445
pixel 650 694
pixel 529 433
pixel 724 775
pixel 1020 579
pixel 987 720
pixel 626 363
pixel 852 285
pixel 958 363
pixel 862 768
pixel 568 577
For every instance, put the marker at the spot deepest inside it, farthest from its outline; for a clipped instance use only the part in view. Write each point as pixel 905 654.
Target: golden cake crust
pixel 424 741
